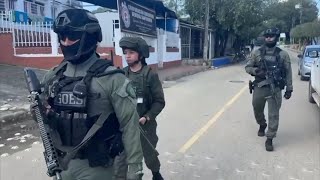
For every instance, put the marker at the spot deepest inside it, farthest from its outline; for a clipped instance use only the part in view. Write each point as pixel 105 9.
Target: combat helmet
pixel 81 26
pixel 137 44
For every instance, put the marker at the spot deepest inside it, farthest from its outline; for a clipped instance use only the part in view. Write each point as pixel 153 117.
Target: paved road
pixel 207 131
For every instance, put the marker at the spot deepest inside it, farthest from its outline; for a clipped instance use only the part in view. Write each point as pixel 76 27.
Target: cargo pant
pixel 149 155
pixel 79 169
pixel 260 97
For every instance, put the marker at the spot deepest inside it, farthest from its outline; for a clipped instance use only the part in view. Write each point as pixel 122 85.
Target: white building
pixel 36 10
pixel 165 47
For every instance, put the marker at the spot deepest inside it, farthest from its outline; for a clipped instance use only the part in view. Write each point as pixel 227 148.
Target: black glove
pixel 260 73
pixel 287 94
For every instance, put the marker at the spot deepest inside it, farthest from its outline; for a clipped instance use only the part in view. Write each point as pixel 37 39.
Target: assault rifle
pixel 271 77
pixel 50 153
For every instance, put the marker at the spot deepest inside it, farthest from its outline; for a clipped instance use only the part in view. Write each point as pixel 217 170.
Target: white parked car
pixel 314 83
pixel 305 61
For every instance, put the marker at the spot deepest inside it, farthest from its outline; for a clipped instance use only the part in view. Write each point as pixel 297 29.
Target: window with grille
pixel 34 9
pixel 11 4
pixel 2 5
pixel 54 11
pixel 26 6
pixel 116 24
pixel 41 10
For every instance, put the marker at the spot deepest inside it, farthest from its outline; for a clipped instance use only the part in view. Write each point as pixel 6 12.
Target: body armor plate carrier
pixel 89 137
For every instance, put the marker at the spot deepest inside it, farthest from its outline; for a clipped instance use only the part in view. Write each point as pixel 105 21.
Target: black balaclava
pixel 81 25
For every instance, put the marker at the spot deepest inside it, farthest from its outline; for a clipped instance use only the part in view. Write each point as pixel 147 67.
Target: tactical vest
pixel 70 98
pixel 142 89
pixel 272 64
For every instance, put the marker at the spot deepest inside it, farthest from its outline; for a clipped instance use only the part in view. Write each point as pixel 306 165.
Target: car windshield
pixel 307 54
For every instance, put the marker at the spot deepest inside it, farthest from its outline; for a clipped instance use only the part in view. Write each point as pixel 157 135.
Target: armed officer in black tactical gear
pixel 86 97
pixel 150 100
pixel 271 68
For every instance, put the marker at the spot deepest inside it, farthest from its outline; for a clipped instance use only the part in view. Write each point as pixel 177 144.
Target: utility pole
pixel 206 33
pixel 53 9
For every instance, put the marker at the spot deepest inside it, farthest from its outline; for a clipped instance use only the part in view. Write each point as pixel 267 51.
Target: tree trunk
pixel 206 29
pixel 217 44
pixel 237 44
pixel 225 41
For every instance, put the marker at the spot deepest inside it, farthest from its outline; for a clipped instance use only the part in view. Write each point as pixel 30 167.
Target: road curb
pixel 184 74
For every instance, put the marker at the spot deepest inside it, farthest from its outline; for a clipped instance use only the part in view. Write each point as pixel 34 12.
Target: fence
pixel 26 34
pixel 32 35
pixel 6 21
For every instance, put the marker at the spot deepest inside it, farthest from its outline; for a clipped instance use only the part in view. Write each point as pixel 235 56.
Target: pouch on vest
pixel 101 142
pixel 275 69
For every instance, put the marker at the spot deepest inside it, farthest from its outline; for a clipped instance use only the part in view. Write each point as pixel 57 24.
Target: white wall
pixel 172 56
pixel 153 58
pixel 172 39
pixel 106 23
pixel 163 40
pixel 47 10
pixel 19 5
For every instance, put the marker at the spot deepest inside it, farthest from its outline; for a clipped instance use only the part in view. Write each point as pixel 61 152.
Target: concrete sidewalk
pixel 14 105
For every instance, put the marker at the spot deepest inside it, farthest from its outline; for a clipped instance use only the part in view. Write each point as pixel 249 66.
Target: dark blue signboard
pixel 137 19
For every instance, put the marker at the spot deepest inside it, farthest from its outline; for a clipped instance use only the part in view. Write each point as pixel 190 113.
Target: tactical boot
pixel 269 146
pixel 157 176
pixel 261 130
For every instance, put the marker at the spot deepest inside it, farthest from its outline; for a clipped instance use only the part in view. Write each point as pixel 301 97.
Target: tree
pixel 307 31
pixel 176 5
pixel 238 17
pixel 246 19
pixel 289 16
pixel 206 29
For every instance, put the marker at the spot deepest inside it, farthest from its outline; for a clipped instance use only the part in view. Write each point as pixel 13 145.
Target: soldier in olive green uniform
pixel 85 93
pixel 150 99
pixel 269 60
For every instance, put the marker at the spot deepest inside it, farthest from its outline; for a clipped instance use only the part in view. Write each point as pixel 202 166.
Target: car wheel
pixel 311 91
pixel 303 78
pixel 299 72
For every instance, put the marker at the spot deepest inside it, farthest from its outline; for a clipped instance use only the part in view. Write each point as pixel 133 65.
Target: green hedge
pixel 306 30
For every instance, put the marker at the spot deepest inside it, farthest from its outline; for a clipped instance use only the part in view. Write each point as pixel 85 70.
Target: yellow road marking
pixel 199 133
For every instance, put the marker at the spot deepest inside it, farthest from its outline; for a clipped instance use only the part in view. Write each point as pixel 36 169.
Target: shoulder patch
pixel 131 91
pixel 126 90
